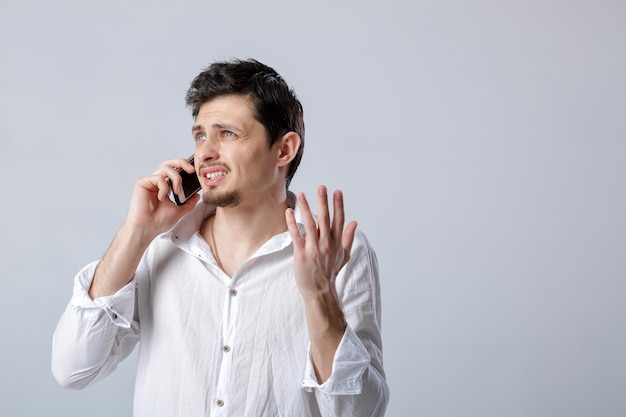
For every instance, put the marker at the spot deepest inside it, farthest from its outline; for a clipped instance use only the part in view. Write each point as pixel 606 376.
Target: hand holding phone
pixel 191 185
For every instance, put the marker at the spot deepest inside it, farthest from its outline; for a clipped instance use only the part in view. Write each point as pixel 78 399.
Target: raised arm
pixel 318 257
pixel 98 328
pixel 337 275
pixel 151 212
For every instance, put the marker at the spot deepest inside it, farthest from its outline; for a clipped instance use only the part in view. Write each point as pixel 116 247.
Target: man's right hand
pixel 150 213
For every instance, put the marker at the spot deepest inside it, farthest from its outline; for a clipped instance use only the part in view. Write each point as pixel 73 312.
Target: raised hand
pixel 151 212
pixel 319 255
pixel 325 248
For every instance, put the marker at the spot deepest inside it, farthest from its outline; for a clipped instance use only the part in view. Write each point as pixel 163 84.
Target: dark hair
pixel 277 107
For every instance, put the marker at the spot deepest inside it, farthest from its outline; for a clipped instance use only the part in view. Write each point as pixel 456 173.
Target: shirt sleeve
pixel 350 361
pixel 93 336
pixel 357 384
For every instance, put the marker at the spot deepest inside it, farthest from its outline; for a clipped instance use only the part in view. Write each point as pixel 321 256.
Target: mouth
pixel 213 175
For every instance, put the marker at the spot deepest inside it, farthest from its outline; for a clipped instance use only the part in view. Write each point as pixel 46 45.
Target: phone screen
pixel 191 185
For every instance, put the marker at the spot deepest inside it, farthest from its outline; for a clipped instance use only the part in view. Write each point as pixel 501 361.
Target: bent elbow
pixel 68 378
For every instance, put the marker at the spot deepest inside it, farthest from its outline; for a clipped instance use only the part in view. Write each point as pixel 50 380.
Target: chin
pixel 224 199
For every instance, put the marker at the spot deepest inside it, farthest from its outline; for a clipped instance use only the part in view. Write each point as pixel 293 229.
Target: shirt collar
pixel 190 224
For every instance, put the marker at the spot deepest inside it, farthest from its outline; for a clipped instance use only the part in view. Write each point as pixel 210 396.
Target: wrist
pixel 324 312
pixel 135 235
pixel 326 325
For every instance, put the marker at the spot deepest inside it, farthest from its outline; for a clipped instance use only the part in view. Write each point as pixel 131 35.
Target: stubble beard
pixel 221 199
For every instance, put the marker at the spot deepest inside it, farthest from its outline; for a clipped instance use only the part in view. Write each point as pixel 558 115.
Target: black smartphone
pixel 191 185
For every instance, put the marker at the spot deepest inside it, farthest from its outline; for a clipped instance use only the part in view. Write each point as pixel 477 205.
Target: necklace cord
pixel 215 251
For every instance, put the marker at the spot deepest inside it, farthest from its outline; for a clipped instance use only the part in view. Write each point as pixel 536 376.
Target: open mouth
pixel 216 174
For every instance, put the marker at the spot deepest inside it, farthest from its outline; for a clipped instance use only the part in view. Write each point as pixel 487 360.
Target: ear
pixel 287 148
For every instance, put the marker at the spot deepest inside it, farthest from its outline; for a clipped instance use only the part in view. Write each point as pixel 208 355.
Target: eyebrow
pixel 227 126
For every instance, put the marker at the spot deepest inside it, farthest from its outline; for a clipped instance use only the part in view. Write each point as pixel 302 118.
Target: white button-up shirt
pixel 211 345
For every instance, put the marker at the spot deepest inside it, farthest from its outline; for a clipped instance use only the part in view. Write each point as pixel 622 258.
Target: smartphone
pixel 191 185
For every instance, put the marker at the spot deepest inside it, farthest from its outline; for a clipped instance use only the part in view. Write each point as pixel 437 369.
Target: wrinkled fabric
pixel 211 345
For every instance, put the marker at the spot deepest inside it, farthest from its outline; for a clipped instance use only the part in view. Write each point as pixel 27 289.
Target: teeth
pixel 215 174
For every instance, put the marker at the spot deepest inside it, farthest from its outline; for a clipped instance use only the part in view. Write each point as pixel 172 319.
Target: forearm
pixel 92 336
pixel 326 325
pixel 118 265
pixel 357 386
pixel 82 351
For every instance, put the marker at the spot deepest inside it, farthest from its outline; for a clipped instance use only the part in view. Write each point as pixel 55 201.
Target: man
pixel 239 309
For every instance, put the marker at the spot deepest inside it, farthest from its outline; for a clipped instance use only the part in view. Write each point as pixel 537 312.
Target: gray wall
pixel 481 145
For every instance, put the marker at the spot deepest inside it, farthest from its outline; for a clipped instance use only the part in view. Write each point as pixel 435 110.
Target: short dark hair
pixel 277 107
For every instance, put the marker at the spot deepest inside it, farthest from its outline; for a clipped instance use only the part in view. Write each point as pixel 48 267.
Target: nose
pixel 207 149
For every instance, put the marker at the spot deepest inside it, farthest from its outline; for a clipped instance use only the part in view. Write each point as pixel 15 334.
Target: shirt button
pixel 220 403
pixel 114 316
pixel 233 292
pixel 226 348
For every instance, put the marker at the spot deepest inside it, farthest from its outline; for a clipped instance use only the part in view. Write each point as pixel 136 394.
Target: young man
pixel 239 309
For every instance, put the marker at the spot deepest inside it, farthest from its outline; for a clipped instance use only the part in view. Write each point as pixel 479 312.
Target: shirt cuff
pixel 350 362
pixel 119 307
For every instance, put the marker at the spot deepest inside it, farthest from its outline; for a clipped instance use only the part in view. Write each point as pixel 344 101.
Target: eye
pixel 228 134
pixel 200 136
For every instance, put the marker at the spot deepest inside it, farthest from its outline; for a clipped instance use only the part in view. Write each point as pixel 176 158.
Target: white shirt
pixel 211 345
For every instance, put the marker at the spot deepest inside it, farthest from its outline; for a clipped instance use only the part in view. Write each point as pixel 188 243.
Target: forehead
pixel 227 108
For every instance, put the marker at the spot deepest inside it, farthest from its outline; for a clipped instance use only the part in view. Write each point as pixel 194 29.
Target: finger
pixel 184 208
pixel 164 187
pixel 153 185
pixel 178 163
pixel 292 226
pixel 188 167
pixel 171 169
pixel 310 227
pixel 172 175
pixel 323 216
pixel 338 214
pixel 157 183
pixel 149 190
pixel 347 239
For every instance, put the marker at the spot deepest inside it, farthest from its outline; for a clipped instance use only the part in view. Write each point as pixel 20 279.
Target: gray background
pixel 481 145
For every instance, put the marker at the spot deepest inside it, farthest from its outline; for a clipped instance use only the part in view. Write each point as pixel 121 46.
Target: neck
pixel 235 233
